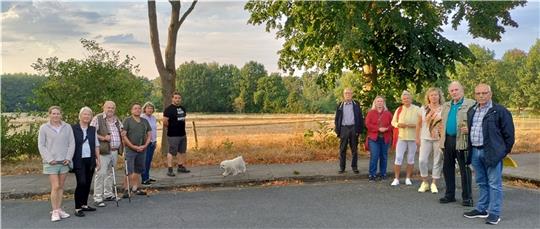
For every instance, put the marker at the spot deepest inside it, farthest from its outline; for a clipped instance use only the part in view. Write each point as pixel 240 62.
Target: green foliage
pixel 102 75
pixel 510 79
pixel 271 94
pixel 247 84
pixel 483 69
pixel 322 137
pixel 18 139
pixel 393 45
pixel 531 76
pixel 207 87
pixel 17 91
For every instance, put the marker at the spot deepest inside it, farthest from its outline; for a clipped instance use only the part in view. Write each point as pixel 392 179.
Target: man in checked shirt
pixel 491 138
pixel 108 128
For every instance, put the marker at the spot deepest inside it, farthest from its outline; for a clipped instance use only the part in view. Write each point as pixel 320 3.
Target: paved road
pixel 322 205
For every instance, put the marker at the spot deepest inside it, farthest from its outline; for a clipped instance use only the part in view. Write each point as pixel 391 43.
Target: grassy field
pixel 266 139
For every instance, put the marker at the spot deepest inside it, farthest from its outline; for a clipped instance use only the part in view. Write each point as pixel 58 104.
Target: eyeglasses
pixel 482 93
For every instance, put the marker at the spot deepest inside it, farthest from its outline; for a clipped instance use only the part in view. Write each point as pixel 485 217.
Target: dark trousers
pixel 449 170
pixel 347 136
pixel 83 176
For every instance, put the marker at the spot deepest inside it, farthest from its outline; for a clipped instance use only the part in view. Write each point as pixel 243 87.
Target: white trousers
pixel 426 148
pixel 103 182
pixel 403 146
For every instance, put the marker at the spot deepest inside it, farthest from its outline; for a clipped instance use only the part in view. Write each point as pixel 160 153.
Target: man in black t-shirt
pixel 174 119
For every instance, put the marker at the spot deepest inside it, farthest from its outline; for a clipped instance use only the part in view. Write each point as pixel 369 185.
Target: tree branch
pixel 187 13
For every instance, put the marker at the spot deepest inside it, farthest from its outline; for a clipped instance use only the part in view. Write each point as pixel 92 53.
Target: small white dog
pixel 234 166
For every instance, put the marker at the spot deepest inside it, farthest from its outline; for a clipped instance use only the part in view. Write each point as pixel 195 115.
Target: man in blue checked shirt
pixel 491 138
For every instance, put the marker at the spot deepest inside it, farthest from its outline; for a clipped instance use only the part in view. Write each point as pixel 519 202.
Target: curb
pixel 248 182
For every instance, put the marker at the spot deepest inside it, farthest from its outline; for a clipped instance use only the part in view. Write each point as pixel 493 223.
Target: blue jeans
pixel 379 153
pixel 148 163
pixel 489 180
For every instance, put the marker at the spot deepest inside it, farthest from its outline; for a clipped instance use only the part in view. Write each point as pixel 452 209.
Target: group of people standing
pixel 92 146
pixel 478 132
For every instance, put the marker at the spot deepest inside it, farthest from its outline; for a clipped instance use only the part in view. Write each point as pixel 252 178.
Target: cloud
pixel 122 39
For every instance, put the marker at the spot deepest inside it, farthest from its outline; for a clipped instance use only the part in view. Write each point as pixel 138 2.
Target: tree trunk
pixel 167 69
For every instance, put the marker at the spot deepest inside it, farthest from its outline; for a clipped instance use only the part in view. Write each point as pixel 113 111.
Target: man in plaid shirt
pixel 491 139
pixel 108 128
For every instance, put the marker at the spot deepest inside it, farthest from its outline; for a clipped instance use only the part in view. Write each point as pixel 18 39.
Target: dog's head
pixel 222 165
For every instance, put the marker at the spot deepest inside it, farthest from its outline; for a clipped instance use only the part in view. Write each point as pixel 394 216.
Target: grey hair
pixel 86 109
pixel 373 106
pixel 457 83
pixel 406 93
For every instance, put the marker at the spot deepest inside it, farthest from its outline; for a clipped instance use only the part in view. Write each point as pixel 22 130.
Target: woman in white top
pixel 430 134
pixel 148 111
pixel 56 146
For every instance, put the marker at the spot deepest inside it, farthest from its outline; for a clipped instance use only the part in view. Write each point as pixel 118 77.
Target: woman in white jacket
pixel 56 145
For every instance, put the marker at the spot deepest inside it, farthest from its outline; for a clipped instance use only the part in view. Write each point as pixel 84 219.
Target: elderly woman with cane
pixel 56 146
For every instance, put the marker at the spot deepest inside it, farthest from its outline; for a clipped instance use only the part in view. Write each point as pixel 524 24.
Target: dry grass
pixel 268 139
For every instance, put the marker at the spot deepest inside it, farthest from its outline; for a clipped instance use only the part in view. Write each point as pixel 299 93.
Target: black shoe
pixel 79 213
pixel 371 179
pixel 341 171
pixel 475 214
pixel 88 209
pixel 146 182
pixel 356 171
pixel 381 178
pixel 467 203
pixel 492 219
pixel 182 169
pixel 152 180
pixel 110 198
pixel 139 192
pixel 446 200
pixel 170 173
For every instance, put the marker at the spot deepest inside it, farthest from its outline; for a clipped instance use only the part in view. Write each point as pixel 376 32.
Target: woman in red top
pixel 379 129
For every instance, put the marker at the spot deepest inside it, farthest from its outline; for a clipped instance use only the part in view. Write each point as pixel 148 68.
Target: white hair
pixel 85 109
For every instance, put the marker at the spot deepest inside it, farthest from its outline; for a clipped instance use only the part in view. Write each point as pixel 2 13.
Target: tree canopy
pixel 102 75
pixel 395 44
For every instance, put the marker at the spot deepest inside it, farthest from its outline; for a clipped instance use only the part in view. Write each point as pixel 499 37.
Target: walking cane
pixel 114 185
pixel 127 177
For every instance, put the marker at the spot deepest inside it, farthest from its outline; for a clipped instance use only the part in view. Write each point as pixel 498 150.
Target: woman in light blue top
pixel 148 111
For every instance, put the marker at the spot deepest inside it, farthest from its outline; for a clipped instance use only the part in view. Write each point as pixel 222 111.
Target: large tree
pixel 395 44
pixel 102 75
pixel 167 68
pixel 531 76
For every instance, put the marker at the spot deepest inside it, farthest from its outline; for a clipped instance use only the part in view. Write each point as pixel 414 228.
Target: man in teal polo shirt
pixel 454 144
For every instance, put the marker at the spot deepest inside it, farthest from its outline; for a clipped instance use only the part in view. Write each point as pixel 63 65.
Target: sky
pixel 216 31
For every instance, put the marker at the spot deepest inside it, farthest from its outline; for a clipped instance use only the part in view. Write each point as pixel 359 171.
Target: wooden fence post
pixel 195 132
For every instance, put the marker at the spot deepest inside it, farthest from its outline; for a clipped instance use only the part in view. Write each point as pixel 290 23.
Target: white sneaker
pixel 395 182
pixel 63 214
pixel 408 181
pixel 55 216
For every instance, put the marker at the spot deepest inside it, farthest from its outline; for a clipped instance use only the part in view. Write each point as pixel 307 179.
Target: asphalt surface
pixel 336 204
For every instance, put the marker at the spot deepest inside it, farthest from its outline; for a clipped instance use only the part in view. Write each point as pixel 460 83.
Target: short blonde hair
pixel 86 109
pixel 432 89
pixel 148 104
pixel 373 107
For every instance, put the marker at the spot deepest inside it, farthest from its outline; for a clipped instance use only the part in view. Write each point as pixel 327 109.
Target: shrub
pixel 18 140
